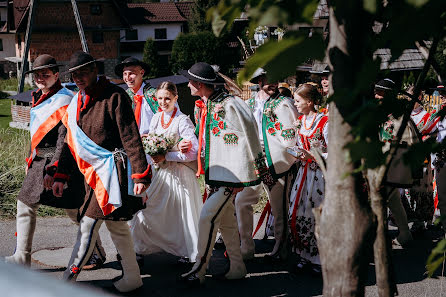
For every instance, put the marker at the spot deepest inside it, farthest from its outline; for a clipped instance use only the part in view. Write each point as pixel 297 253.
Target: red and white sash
pixel 45 116
pixel 96 163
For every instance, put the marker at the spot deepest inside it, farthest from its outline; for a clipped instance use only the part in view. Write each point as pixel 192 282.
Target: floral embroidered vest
pixel 149 95
pixel 279 132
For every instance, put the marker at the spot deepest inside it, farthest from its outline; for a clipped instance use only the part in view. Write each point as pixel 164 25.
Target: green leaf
pixel 281 58
pixel 370 5
pixel 417 3
pixel 218 24
pixel 436 257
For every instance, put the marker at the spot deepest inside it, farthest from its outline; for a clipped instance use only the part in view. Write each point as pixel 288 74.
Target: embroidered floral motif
pixel 272 123
pixel 313 166
pixel 298 124
pixel 252 102
pixel 230 138
pixel 440 160
pixel 217 123
pixel 288 134
pixel 260 165
pixel 387 131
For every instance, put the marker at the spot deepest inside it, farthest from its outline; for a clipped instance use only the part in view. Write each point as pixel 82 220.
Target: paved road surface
pixel 55 236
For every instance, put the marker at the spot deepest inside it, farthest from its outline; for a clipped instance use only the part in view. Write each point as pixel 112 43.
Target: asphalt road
pixel 55 236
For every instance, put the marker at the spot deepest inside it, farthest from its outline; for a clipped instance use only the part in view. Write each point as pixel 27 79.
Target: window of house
pixel 1 45
pixel 98 37
pixel 95 9
pixel 161 33
pixel 131 34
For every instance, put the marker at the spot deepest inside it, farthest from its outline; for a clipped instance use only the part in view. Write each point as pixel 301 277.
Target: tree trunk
pixel 381 247
pixel 345 228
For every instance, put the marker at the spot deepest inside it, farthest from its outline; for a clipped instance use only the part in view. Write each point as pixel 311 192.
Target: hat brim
pixel 119 69
pixel 71 70
pixel 43 67
pixel 218 80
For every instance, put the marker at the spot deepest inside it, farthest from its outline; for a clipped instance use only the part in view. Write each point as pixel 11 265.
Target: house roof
pixel 158 12
pixel 185 8
pixel 20 10
pixel 410 59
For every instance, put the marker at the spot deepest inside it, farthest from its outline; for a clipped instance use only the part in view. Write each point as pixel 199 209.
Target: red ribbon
pixel 203 112
pixel 138 103
pixel 266 210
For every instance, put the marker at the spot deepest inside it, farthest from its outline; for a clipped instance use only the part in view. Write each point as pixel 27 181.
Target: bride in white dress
pixel 169 223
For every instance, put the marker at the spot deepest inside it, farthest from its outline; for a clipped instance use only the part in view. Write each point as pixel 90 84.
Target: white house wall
pixel 146 31
pixel 8 41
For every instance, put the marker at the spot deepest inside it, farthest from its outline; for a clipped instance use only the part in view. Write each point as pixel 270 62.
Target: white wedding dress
pixel 169 222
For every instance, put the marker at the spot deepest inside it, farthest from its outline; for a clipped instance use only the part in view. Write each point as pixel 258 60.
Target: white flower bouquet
pixel 155 144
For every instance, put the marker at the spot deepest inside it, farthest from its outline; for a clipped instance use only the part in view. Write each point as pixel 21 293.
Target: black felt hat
pixel 78 60
pixel 256 75
pixel 204 73
pixel 42 62
pixel 385 84
pixel 131 62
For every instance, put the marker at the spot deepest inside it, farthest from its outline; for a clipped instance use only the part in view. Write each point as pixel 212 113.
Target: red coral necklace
pixel 165 126
pixel 312 122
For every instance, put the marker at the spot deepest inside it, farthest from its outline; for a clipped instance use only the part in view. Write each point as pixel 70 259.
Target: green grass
pixel 14 148
pixel 5 113
pixel 11 85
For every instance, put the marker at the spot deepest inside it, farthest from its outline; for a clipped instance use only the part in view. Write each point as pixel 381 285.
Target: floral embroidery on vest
pixel 149 94
pixel 288 134
pixel 217 123
pixel 260 165
pixel 230 138
pixel 272 123
pixel 386 133
pixel 252 102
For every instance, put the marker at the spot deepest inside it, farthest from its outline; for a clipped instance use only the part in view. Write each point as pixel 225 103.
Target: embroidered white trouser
pixel 218 213
pixel 278 198
pixel 399 214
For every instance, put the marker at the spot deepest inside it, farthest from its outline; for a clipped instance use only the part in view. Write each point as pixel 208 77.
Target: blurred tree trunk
pixel 346 227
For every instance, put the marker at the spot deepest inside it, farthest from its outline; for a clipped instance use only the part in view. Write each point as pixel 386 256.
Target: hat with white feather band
pixel 204 73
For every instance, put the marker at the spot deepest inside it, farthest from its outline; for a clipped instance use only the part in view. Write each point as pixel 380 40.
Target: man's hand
pixel 48 181
pixel 139 188
pixel 158 158
pixel 58 189
pixel 184 145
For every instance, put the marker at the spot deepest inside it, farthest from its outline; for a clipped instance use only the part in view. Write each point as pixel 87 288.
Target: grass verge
pixel 14 144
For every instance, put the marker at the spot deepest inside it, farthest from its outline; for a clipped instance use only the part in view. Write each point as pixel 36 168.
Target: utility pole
pixel 24 66
pixel 80 29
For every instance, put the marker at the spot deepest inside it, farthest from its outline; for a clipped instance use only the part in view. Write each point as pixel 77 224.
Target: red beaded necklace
pixel 312 122
pixel 165 126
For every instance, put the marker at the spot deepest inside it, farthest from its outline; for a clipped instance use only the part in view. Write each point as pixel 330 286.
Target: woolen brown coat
pixel 33 191
pixel 107 119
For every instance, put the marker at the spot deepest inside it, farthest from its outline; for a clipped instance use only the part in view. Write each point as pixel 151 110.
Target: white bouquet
pixel 155 144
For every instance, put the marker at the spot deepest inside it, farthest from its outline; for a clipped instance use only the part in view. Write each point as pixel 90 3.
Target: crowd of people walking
pixel 131 159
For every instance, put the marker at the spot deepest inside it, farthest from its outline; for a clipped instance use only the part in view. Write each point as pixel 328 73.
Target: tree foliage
pixel 204 46
pixel 197 22
pixel 150 56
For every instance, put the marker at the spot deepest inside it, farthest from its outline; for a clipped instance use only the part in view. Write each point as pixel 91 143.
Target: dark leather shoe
pixel 95 262
pixel 191 281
